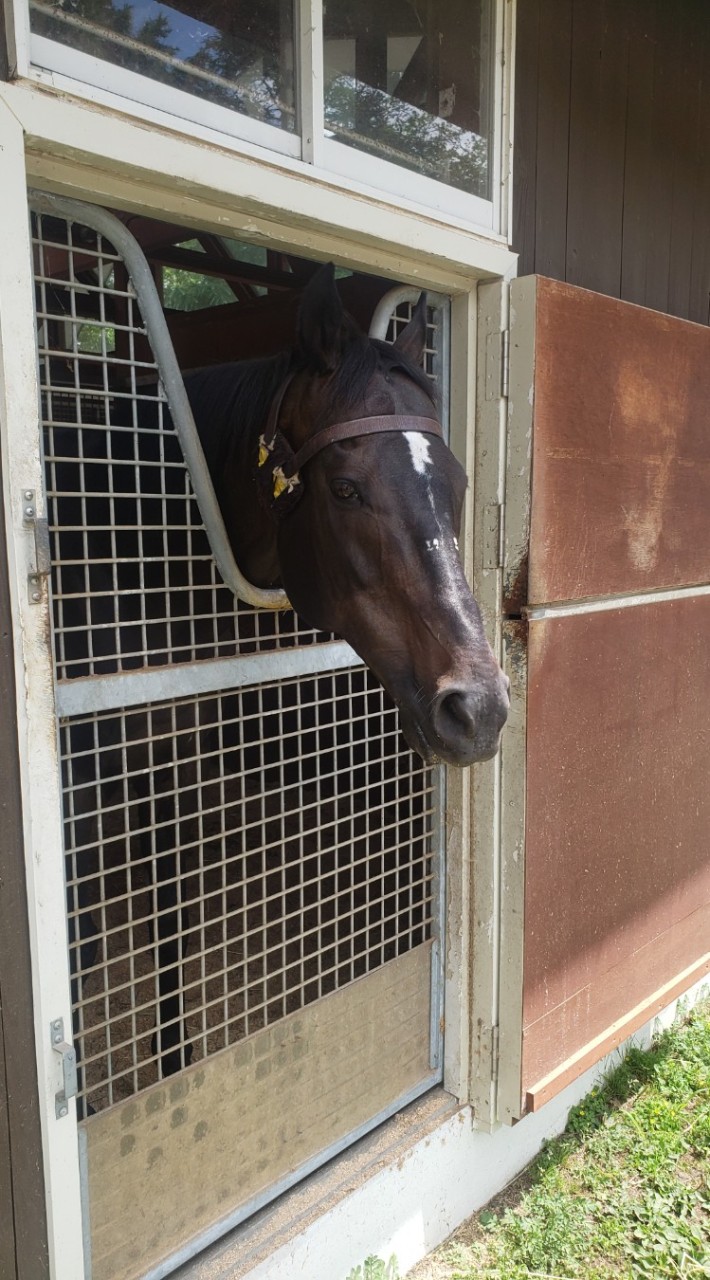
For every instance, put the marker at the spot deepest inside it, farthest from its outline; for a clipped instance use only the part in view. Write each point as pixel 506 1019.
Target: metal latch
pixel 43 558
pixel 67 1053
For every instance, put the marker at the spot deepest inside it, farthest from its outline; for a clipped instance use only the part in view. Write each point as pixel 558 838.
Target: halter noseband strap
pixel 278 467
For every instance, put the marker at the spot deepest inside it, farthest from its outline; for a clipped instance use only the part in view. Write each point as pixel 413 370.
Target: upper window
pixel 394 94
pixel 407 81
pixel 238 55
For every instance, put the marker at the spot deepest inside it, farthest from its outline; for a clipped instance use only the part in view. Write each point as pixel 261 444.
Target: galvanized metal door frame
pixel 37 745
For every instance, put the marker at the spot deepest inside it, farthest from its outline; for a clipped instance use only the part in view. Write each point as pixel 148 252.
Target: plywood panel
pixel 618 814
pixel 252 1115
pixel 621 448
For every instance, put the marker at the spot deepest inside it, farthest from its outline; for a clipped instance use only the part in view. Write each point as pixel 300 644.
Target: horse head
pixel 366 519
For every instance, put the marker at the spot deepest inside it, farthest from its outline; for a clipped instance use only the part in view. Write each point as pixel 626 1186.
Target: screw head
pixel 63 1111
pixel 36 597
pixel 29 512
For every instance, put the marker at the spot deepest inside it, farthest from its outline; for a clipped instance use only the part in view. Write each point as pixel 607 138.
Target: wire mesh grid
pixel 134 580
pixel 435 348
pixel 231 857
pixel 268 846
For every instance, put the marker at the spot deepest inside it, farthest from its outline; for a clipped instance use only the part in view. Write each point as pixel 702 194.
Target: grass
pixel 624 1193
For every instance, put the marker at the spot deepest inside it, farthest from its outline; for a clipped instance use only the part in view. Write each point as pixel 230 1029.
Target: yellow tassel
pixel 263 452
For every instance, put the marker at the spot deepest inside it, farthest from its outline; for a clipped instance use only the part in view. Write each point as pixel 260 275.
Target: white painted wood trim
pixel 17 24
pixel 485 816
pixel 382 177
pixel 55 64
pixel 519 316
pixel 504 127
pixel 40 774
pixel 90 152
pixel 310 80
pixel 457 960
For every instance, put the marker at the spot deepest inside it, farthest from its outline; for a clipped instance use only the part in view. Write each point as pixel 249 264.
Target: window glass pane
pixel 408 81
pixel 237 53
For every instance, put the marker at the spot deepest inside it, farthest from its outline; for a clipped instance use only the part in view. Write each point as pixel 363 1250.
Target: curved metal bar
pixel 387 305
pixel 106 224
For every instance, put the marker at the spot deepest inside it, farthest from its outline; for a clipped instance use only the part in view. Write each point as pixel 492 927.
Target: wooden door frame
pixel 23 1227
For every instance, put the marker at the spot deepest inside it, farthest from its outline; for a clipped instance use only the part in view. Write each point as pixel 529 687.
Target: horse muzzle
pixel 463 723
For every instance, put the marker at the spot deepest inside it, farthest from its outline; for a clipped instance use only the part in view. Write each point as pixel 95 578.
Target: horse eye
pixel 344 490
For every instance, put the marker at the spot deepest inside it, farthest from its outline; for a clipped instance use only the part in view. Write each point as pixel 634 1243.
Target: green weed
pixel 376 1269
pixel 623 1194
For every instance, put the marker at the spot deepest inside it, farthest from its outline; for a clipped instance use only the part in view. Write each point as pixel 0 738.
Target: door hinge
pixel 497 364
pixel 493 536
pixel 495 1052
pixel 505 363
pixel 67 1054
pixel 43 558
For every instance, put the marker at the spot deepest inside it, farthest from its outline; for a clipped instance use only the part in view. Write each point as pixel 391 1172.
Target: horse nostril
pixel 469 718
pixel 456 714
pixel 460 707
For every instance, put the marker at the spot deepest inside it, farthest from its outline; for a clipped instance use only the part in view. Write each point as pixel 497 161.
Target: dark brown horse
pixel 363 534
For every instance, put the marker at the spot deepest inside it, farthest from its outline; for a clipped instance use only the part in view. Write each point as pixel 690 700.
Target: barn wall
pixel 612 149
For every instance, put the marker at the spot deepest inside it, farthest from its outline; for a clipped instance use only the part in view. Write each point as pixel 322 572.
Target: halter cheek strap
pixel 278 465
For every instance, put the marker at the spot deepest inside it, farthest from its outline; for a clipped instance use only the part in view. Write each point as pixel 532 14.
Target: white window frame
pixel 47 62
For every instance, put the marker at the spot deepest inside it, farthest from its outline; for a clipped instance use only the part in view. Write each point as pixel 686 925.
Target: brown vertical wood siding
pixel 612 149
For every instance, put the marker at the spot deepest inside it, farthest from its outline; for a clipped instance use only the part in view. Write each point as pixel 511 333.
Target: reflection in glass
pixel 408 81
pixel 237 53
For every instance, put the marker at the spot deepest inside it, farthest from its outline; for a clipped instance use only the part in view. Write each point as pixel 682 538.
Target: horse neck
pixel 231 405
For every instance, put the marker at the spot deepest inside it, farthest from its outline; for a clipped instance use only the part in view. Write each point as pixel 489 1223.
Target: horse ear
pixel 320 321
pixel 412 340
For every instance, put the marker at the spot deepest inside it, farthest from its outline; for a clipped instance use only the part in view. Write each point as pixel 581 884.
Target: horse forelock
pixel 362 360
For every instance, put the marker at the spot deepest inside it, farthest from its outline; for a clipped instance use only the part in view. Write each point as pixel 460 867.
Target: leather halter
pixel 278 466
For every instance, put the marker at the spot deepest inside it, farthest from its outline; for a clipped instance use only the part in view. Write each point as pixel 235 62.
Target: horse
pixel 361 526
pixel 335 483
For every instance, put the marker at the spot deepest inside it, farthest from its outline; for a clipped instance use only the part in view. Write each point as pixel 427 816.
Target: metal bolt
pixel 63 1111
pixel 36 596
pixel 29 495
pixel 29 512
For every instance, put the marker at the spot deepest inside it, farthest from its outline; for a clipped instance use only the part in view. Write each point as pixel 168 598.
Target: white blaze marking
pixel 419 449
pixel 449 567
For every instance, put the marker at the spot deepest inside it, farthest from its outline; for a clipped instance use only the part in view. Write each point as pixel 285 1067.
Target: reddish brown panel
pixel 621 448
pixel 617 819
